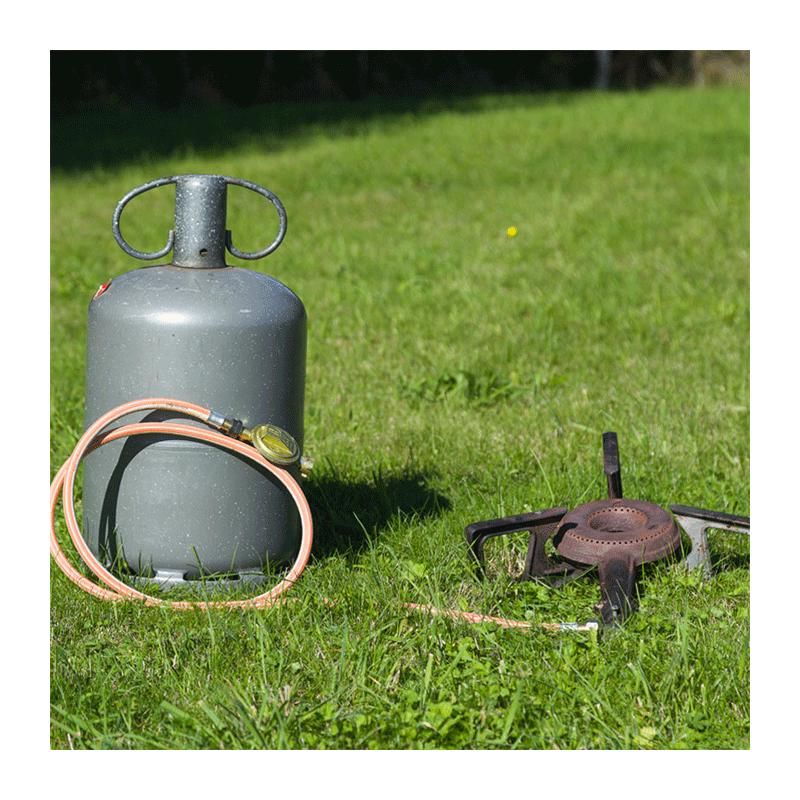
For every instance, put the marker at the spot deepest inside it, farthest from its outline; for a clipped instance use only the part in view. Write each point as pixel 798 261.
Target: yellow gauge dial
pixel 275 444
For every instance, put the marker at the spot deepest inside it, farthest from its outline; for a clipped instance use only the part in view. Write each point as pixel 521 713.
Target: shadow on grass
pixel 728 550
pixel 113 136
pixel 347 514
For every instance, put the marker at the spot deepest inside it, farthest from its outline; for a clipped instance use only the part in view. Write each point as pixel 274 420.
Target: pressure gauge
pixel 275 444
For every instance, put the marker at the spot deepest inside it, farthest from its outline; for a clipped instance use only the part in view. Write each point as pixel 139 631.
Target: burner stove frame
pixel 615 535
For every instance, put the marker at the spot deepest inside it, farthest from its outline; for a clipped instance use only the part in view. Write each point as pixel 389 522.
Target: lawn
pixel 455 373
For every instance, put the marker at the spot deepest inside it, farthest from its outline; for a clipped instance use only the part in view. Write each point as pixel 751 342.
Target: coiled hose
pixel 96 436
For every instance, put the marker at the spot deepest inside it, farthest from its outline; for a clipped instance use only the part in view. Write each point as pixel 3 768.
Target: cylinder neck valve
pixel 200 235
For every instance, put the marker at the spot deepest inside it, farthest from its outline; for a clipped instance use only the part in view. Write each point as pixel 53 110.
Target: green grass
pixel 454 374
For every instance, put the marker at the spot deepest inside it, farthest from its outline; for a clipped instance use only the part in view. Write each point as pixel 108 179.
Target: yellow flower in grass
pixel 512 231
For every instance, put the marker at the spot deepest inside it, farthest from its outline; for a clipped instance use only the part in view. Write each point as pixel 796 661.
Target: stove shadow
pixel 728 550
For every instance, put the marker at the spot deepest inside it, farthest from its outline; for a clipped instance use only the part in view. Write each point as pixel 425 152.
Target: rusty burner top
pixel 616 535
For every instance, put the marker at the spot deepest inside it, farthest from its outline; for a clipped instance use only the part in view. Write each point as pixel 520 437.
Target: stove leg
pixel 478 532
pixel 616 586
pixel 695 522
pixel 611 465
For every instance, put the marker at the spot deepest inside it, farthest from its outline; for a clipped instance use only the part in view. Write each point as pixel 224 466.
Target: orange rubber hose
pixel 64 484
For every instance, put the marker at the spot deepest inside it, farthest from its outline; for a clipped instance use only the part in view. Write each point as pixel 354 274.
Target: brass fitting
pixel 306 465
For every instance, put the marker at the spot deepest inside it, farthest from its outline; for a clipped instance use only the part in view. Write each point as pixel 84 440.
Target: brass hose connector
pixel 306 465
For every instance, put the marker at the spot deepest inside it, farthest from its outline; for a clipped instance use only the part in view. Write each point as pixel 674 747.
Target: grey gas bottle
pixel 227 338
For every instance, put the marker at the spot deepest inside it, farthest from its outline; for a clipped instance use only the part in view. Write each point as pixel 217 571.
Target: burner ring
pixel 646 532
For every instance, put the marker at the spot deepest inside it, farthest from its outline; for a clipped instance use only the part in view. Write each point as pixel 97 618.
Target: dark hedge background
pixel 85 79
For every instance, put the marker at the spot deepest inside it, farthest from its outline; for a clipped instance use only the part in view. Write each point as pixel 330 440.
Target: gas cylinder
pixel 171 510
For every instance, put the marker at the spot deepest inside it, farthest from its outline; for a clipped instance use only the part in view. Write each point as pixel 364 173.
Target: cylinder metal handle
pixel 254 187
pixel 171 237
pixel 118 213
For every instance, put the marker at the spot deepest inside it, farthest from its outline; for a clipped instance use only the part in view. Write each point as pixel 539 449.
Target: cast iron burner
pixel 615 535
